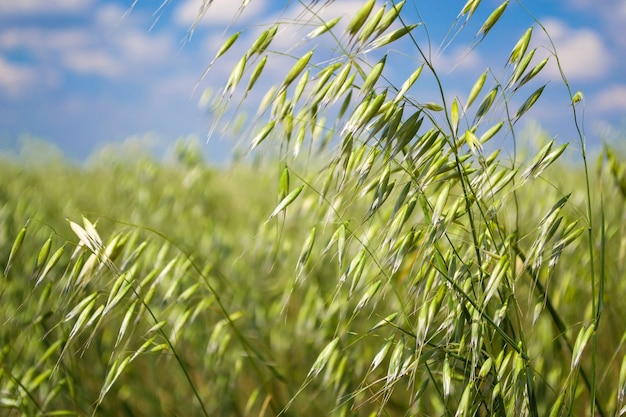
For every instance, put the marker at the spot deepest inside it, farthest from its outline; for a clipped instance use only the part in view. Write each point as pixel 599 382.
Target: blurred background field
pixel 393 237
pixel 200 302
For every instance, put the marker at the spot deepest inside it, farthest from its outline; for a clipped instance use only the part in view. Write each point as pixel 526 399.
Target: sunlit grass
pixel 280 322
pixel 381 262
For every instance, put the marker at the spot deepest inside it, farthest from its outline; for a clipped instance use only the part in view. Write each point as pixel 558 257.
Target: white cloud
pixel 112 15
pixel 110 47
pixel 220 12
pixel 457 59
pixel 43 42
pixel 582 52
pixel 75 49
pixel 612 13
pixel 18 38
pixel 97 62
pixel 42 7
pixel 612 9
pixel 15 78
pixel 611 99
pixel 138 47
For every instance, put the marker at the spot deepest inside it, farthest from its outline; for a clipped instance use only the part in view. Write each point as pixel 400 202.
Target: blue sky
pixel 85 73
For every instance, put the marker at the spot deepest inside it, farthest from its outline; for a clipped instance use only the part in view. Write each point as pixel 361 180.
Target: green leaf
pixel 371 25
pixel 43 256
pixel 288 126
pixel 469 8
pixel 256 72
pixel 543 159
pixel 324 75
pixel 82 317
pixel 118 292
pixel 360 17
pixel 373 76
pixel 530 101
pixel 340 237
pixel 325 27
pixel 371 291
pixel 39 379
pixel 395 362
pixel 269 96
pixel 464 404
pixel 263 41
pixel 299 139
pixel 490 133
pixel 557 408
pixel 454 115
pixel 283 188
pixel 128 316
pixel 80 306
pixel 478 85
pixel 433 107
pixel 385 321
pixel 408 83
pixel 622 374
pixel 17 244
pixel 297 69
pixel 486 104
pixel 226 45
pixel 157 327
pixel 113 373
pixel 441 202
pixel 302 83
pixel 382 353
pixel 322 358
pixel 409 129
pixel 51 263
pixel 286 201
pixel 446 377
pixel 401 198
pixel 393 36
pixel 521 66
pixel 305 253
pixel 520 47
pixel 263 134
pixel 492 19
pixel 495 278
pixel 579 346
pixel 372 109
pixel 532 73
pixel 472 141
pixel 338 86
pixel 390 17
pixel 235 75
pixel 392 122
pixel 486 367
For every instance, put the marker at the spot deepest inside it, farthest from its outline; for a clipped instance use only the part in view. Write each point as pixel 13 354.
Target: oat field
pixel 373 254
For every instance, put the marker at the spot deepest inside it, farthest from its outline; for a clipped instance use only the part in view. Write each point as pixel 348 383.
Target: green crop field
pixel 376 256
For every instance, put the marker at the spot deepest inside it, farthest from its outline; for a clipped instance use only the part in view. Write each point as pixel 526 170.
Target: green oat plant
pixel 94 326
pixel 449 296
pixel 404 267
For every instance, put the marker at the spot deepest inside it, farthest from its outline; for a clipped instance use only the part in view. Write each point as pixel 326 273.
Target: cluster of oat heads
pixel 404 267
pixel 119 312
pixel 426 225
